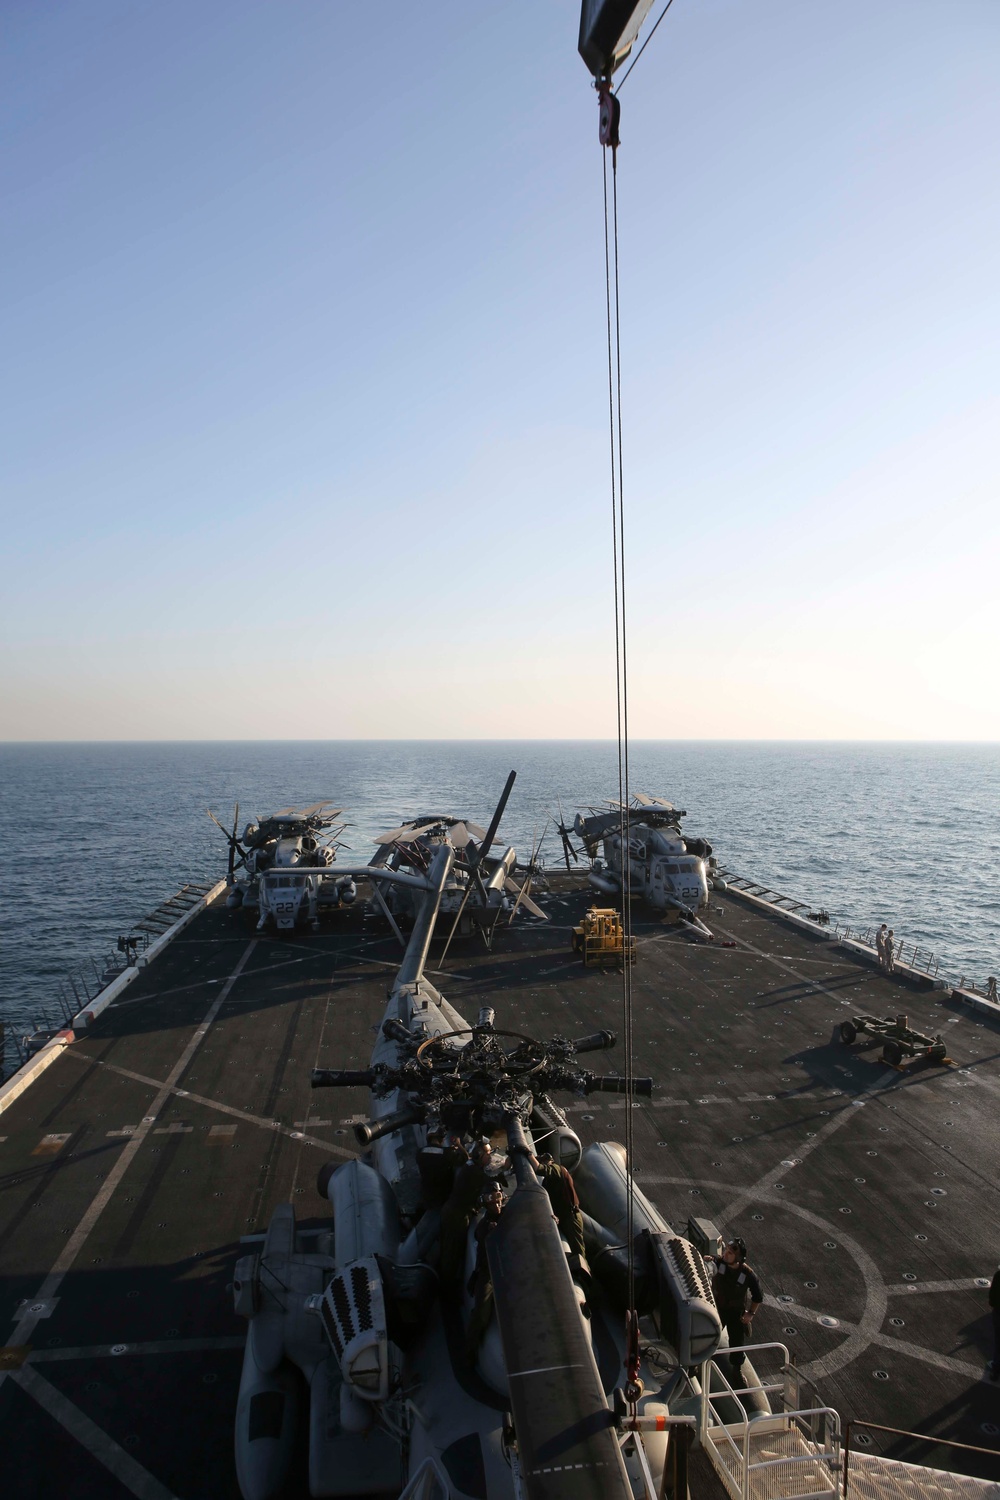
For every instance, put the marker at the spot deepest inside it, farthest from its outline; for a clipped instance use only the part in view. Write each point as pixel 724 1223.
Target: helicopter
pixel 666 867
pixel 371 1332
pixel 481 888
pixel 287 858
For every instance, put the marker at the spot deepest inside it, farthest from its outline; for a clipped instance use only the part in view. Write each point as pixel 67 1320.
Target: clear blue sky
pixel 303 414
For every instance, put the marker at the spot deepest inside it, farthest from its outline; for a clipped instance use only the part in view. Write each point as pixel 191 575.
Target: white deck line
pixel 36 1066
pixel 851 945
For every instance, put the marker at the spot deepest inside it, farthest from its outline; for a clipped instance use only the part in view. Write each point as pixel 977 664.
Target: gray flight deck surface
pixel 132 1166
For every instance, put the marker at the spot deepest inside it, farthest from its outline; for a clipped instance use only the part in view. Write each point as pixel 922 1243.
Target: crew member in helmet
pixel 732 1282
pixel 561 1190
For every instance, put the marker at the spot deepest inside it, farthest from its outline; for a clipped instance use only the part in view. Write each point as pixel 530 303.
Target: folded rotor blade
pixel 491 832
pixel 566 1439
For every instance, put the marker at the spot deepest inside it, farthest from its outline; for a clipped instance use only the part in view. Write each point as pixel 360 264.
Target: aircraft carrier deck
pixel 132 1166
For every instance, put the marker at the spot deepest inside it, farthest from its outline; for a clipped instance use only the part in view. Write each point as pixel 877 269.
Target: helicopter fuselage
pixel 660 868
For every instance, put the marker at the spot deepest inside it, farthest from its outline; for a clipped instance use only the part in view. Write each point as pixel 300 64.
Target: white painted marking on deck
pixel 228 1109
pixel 122 1465
pixel 79 1237
pixel 886 1341
pixel 960 1284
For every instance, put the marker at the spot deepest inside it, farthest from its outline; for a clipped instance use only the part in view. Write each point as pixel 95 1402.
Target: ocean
pixel 96 835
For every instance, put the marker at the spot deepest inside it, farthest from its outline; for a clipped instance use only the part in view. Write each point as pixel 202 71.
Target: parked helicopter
pixel 287 859
pixel 666 867
pixel 413 1378
pixel 481 888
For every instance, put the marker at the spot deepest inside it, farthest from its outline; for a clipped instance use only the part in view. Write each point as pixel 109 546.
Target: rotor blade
pixel 458 918
pixel 523 899
pixel 405 833
pixel 225 831
pixel 532 906
pixel 566 1440
pixel 233 845
pixel 491 832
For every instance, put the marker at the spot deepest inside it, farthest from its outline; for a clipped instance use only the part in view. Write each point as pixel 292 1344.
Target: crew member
pixel 732 1281
pixel 456 1216
pixel 561 1189
pixel 889 950
pixel 437 1164
pixel 480 1285
pixel 880 945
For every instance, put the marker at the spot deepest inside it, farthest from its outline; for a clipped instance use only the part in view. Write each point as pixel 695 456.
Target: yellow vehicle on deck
pixel 600 938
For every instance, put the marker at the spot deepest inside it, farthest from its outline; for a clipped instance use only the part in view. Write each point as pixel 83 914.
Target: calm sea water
pixel 96 835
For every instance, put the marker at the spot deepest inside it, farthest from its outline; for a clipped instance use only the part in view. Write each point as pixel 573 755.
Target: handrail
pixel 738 1434
pixel 922 1437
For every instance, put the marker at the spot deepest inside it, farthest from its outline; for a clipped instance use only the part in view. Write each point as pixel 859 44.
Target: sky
pixel 303 402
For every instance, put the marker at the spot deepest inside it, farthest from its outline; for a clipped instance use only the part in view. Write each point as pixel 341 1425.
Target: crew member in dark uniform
pixel 437 1164
pixel 481 1282
pixel 561 1189
pixel 456 1215
pixel 732 1281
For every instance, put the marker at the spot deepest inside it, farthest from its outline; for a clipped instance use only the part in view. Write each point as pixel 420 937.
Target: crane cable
pixel 609 138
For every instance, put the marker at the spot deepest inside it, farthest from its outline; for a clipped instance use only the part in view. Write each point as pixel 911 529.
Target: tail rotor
pixel 235 847
pixel 567 843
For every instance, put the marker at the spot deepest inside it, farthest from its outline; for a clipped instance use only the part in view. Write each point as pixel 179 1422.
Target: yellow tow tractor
pixel 600 938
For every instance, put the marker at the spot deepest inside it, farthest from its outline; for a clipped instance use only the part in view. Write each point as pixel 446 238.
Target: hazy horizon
pixel 506 740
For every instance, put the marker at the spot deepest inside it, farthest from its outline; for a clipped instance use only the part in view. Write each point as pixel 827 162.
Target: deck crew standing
pixel 732 1282
pixel 888 950
pixel 880 945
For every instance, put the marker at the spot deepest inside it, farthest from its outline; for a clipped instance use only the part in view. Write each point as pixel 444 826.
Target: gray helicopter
pixel 481 889
pixel 429 1357
pixel 281 866
pixel 666 867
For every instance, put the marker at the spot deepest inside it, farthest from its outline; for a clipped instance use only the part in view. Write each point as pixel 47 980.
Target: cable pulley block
pixel 609 118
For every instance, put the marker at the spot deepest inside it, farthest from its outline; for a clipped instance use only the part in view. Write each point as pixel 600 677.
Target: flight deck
pixel 132 1168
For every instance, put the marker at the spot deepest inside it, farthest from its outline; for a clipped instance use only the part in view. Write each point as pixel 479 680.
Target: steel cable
pixel 611 269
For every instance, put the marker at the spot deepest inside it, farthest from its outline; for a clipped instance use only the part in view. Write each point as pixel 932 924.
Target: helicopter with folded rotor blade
pixel 427 1355
pixel 281 866
pixel 668 868
pixel 482 889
